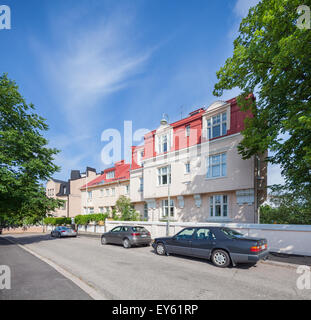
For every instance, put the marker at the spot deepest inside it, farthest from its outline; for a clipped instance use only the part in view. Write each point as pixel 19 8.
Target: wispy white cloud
pixel 91 61
pixel 242 6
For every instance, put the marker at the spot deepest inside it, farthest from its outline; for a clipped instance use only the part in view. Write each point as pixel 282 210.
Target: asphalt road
pixel 138 273
pixel 32 279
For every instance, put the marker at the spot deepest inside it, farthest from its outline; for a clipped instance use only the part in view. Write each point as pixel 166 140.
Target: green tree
pixel 126 209
pixel 25 159
pixel 272 57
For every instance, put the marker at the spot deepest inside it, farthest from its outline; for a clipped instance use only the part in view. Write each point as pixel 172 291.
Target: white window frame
pixel 212 206
pixel 164 208
pixel 161 139
pixel 222 164
pixel 187 130
pixel 113 192
pixel 107 192
pixel 214 121
pixel 89 195
pixel 187 167
pixel 161 175
pixel 141 184
pixel 110 174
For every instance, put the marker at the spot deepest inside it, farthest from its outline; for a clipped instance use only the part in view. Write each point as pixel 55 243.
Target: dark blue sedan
pixel 219 244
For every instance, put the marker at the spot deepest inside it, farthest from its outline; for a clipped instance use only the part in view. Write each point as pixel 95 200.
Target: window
pixel 217 126
pixel 91 210
pixel 127 189
pixel 185 234
pixel 202 234
pixel 110 175
pixel 164 175
pixel 217 166
pixel 141 184
pixel 102 192
pixel 188 131
pixel 219 206
pixel 101 209
pixel 163 143
pixel 165 208
pixel 187 167
pixel 107 192
pixel 89 194
pixel 107 209
pixel 116 229
pixel 140 157
pixel 145 210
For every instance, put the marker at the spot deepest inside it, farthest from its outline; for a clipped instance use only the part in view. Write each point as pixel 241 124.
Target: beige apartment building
pixel 69 191
pixel 100 194
pixel 195 163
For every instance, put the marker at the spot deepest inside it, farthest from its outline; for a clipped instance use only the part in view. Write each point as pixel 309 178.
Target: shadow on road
pixel 27 239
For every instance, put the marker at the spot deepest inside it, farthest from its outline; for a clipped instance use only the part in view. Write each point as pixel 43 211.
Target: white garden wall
pixel 290 239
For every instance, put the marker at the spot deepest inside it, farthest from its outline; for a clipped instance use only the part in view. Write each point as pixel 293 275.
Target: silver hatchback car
pixel 63 232
pixel 127 236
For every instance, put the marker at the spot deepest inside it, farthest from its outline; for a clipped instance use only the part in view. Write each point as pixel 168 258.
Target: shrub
pixel 56 221
pixel 84 219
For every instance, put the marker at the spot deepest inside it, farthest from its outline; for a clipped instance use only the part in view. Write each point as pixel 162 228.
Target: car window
pixel 116 229
pixel 231 233
pixel 125 229
pixel 139 229
pixel 185 234
pixel 202 234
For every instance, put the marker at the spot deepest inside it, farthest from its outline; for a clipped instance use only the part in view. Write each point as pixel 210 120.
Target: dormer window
pixel 188 131
pixel 163 143
pixel 110 175
pixel 217 126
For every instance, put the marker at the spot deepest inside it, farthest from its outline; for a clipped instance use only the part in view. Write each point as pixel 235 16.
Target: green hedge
pixel 85 219
pixel 56 221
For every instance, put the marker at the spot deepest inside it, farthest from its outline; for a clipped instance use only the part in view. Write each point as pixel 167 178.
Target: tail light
pixel 259 248
pixel 149 234
pixel 63 231
pixel 255 248
pixel 135 234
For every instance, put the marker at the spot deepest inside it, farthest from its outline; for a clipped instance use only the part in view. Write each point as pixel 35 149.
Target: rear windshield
pixel 231 233
pixel 139 229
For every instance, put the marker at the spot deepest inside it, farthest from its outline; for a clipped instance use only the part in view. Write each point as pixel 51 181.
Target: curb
pixel 281 264
pixel 87 288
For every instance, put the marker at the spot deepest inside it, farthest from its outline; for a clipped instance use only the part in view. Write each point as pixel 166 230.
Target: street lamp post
pixel 165 122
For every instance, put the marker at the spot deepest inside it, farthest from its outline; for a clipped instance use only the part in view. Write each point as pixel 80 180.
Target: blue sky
pixel 89 65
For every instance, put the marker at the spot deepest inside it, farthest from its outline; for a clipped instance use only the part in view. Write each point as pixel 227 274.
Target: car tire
pixel 103 240
pixel 52 234
pixel 160 249
pixel 220 258
pixel 126 243
pixel 58 235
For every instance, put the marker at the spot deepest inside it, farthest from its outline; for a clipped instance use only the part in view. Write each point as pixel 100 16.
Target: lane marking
pixel 92 292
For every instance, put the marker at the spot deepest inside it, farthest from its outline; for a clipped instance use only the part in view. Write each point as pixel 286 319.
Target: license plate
pixel 144 235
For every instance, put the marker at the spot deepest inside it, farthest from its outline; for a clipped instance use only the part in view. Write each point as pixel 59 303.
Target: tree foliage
pixel 126 209
pixel 272 57
pixel 286 208
pixel 25 159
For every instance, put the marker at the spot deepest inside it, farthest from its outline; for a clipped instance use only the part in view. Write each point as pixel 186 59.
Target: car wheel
pixel 103 240
pixel 58 235
pixel 160 249
pixel 52 234
pixel 126 243
pixel 220 258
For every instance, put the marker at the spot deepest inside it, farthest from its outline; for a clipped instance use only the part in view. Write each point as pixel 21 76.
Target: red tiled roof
pixel 122 172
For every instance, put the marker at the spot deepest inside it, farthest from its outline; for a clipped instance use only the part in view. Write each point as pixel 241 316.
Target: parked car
pixel 63 232
pixel 219 244
pixel 127 236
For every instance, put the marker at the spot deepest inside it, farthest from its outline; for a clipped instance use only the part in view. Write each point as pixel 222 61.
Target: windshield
pixel 231 233
pixel 139 229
